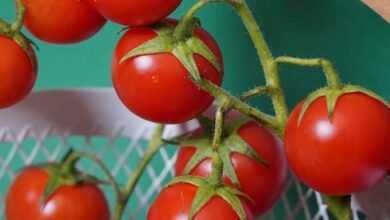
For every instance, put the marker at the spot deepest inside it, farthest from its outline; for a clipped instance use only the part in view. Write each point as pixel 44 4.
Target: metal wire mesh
pixel 121 147
pixel 121 155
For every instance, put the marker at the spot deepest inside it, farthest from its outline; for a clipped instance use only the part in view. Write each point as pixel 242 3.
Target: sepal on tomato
pixel 332 96
pixel 232 197
pixel 232 143
pixel 59 177
pixel 183 50
pixel 25 44
pixel 207 191
pixel 340 206
pixel 202 196
pixel 19 38
pixel 201 153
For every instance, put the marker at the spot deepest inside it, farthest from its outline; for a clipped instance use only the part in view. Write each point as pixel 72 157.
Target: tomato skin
pixel 79 202
pixel 157 87
pixel 174 203
pixel 62 22
pixel 18 72
pixel 264 185
pixel 135 13
pixel 345 155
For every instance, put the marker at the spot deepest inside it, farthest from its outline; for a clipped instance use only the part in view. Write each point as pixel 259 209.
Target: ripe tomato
pixel 18 72
pixel 175 202
pixel 62 22
pixel 346 154
pixel 80 202
pixel 135 13
pixel 158 87
pixel 263 184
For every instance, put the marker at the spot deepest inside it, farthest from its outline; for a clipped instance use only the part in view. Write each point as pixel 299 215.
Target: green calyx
pixel 207 191
pixel 25 44
pixel 183 49
pixel 332 95
pixel 22 41
pixel 13 31
pixel 339 206
pixel 231 143
pixel 64 174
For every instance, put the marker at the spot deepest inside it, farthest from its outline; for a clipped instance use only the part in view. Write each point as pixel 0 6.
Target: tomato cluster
pixel 336 145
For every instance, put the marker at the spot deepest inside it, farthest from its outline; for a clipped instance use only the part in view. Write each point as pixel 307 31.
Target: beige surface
pixel 380 6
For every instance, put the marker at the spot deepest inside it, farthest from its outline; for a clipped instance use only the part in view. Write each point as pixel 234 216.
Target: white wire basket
pixel 45 125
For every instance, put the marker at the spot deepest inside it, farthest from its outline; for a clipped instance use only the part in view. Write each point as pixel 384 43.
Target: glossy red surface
pixel 263 184
pixel 135 13
pixel 174 203
pixel 81 202
pixel 347 154
pixel 62 22
pixel 158 87
pixel 17 72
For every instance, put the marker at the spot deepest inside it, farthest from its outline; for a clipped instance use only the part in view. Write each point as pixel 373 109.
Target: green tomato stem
pixel 4 25
pixel 271 73
pixel 182 30
pixel 17 25
pixel 215 178
pixel 5 28
pixel 270 67
pixel 69 161
pixel 217 165
pixel 73 157
pixel 339 206
pixel 237 104
pixel 185 26
pixel 260 90
pixel 332 77
pixel 12 30
pixel 218 128
pixel 155 144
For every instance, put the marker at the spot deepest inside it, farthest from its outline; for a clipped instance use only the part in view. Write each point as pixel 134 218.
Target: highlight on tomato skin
pixel 18 72
pixel 264 184
pixel 174 202
pixel 346 154
pixel 135 13
pixel 157 87
pixel 62 22
pixel 79 202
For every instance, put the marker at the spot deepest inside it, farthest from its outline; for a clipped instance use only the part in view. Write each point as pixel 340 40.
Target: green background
pixel 355 38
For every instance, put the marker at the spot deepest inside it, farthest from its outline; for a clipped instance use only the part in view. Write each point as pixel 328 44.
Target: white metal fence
pixel 47 124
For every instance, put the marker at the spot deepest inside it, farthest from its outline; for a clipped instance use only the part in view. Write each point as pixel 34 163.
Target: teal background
pixel 355 38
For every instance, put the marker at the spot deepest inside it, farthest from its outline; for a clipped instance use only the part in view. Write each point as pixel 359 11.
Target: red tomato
pixel 18 72
pixel 175 202
pixel 263 184
pixel 158 87
pixel 346 154
pixel 80 202
pixel 135 13
pixel 62 22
